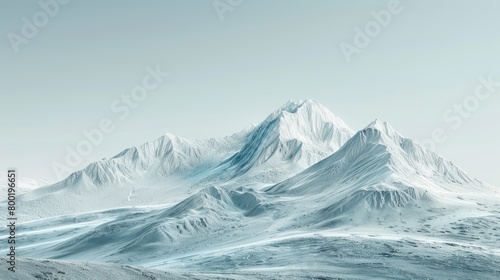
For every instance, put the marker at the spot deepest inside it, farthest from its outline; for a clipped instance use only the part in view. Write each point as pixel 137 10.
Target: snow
pixel 292 138
pixel 24 185
pixel 298 196
pixel 378 156
pixel 50 269
pixel 303 132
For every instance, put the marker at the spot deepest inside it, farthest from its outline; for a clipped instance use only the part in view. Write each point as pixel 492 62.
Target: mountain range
pixel 299 195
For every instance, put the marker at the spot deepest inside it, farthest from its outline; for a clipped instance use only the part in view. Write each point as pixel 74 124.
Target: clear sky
pixel 226 74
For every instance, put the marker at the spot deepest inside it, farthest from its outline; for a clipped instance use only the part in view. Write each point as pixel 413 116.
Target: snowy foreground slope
pixel 298 196
pixel 30 269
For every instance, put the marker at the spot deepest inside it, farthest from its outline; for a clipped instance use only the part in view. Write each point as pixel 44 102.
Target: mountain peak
pixel 303 131
pixel 170 136
pixel 406 155
pixel 376 123
pixel 292 106
pixel 305 113
pixel 380 125
pixel 379 156
pixel 307 121
pixel 383 128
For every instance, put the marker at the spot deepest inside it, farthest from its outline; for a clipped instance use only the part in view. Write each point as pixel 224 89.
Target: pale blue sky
pixel 227 74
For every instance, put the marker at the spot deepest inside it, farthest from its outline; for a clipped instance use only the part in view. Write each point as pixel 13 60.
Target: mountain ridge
pixel 293 137
pixel 380 196
pixel 376 153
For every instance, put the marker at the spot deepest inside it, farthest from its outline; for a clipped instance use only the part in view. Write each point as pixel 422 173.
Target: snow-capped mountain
pixel 290 139
pixel 297 187
pixel 376 170
pixel 157 172
pixel 302 133
pixel 167 156
pixel 375 156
